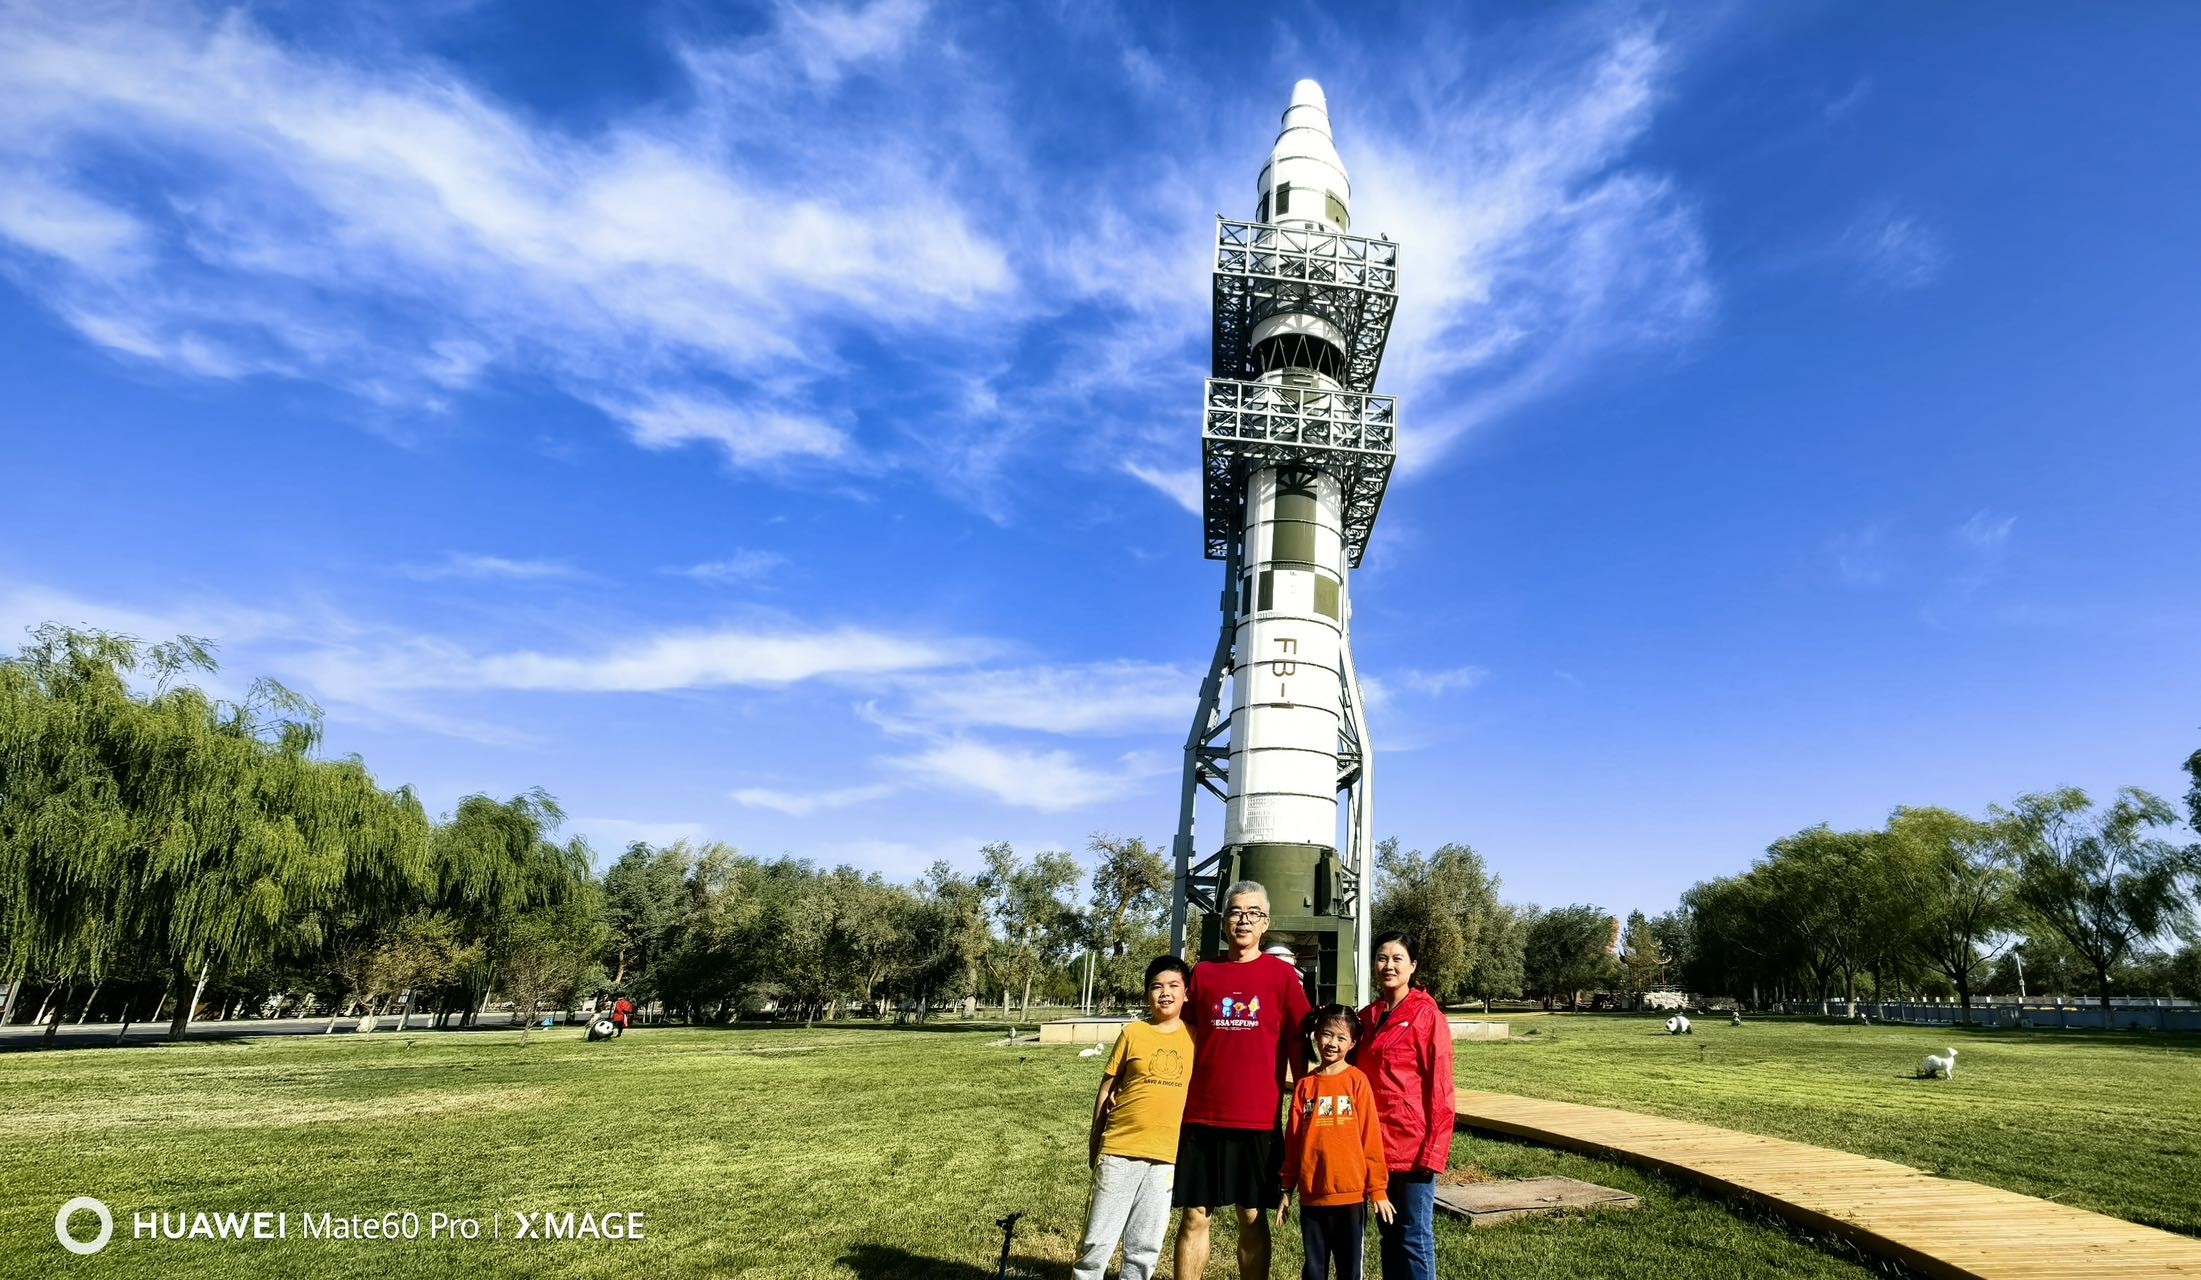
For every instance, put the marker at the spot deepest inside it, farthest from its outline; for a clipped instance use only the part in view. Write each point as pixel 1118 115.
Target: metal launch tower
pixel 1295 451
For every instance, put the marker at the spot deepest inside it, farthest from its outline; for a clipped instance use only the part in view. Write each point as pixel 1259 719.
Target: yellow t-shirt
pixel 1151 1068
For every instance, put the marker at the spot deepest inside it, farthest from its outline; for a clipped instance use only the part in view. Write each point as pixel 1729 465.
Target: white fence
pixel 2008 1011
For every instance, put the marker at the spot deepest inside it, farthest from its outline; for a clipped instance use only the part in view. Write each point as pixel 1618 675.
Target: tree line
pixel 2052 892
pixel 2078 897
pixel 156 840
pixel 710 932
pixel 159 845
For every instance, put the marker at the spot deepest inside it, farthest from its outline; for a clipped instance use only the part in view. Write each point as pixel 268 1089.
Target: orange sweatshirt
pixel 1333 1146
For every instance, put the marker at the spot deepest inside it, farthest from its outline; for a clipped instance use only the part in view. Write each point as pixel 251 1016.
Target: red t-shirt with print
pixel 1246 1020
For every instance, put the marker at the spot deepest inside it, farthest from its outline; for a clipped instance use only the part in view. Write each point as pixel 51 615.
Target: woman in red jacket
pixel 1406 1053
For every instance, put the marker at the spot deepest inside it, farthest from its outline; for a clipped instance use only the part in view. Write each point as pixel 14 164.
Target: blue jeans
pixel 1332 1233
pixel 1409 1241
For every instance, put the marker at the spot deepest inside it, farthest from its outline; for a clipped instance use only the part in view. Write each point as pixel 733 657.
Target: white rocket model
pixel 1296 451
pixel 1286 687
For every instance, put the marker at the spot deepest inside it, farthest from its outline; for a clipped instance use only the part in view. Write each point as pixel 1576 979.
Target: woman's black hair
pixel 1405 940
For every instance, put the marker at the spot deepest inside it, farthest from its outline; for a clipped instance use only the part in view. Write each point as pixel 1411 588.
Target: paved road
pixel 103 1034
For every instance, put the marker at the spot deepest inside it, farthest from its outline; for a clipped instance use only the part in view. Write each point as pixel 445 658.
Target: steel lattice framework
pixel 1251 425
pixel 1262 270
pixel 1352 283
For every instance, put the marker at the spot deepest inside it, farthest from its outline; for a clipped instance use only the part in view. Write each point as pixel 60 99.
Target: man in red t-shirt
pixel 1248 1013
pixel 622 1010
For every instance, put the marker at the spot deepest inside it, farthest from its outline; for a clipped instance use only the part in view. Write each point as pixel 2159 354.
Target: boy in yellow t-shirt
pixel 1135 1120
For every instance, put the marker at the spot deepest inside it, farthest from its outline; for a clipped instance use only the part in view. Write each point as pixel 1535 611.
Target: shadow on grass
pixel 908 1028
pixel 237 1032
pixel 889 1262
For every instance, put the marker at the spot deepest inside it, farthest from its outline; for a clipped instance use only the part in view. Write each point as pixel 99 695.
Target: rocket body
pixel 1290 671
pixel 1286 682
pixel 1287 678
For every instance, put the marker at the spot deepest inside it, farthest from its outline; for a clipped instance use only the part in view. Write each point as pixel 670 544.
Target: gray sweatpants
pixel 1131 1203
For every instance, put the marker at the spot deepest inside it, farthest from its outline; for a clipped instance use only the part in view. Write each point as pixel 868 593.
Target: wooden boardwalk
pixel 1935 1226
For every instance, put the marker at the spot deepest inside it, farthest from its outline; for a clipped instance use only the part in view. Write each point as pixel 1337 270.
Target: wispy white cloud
pixel 1848 100
pixel 289 644
pixel 465 565
pixel 1097 698
pixel 1986 532
pixel 1859 557
pixel 1048 781
pixel 50 219
pixel 700 659
pixel 1893 249
pixel 744 565
pixel 745 435
pixel 1438 683
pixel 1532 248
pixel 910 859
pixel 1180 485
pixel 827 40
pixel 390 227
pixel 801 804
pixel 1983 541
pixel 610 836
pixel 24 606
pixel 704 271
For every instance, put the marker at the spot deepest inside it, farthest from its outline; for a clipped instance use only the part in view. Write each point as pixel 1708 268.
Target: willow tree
pixel 494 863
pixel 2104 882
pixel 69 840
pixel 371 866
pixel 139 813
pixel 252 843
pixel 1966 891
pixel 2193 794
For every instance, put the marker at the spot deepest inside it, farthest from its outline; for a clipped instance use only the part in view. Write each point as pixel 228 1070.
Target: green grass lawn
pixel 885 1154
pixel 2110 1123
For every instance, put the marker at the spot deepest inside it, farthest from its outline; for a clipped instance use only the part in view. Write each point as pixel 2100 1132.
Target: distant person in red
pixel 1406 1053
pixel 1246 1011
pixel 622 1009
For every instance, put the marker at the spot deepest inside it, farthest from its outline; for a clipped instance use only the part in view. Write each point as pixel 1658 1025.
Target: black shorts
pixel 1217 1167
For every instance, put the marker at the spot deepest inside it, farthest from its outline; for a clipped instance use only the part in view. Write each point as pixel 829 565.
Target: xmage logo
pixel 83 1204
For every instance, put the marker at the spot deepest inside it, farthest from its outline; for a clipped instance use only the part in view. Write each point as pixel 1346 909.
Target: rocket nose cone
pixel 1306 93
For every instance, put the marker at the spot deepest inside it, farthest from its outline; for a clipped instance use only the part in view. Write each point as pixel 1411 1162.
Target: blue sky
pixel 778 425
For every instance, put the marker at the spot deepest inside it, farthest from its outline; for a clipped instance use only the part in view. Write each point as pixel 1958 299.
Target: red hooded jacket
pixel 1407 1057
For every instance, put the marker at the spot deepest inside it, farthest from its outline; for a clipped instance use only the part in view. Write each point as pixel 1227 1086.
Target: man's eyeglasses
pixel 1245 913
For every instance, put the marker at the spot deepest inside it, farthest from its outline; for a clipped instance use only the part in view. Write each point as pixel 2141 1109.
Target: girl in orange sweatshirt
pixel 1333 1152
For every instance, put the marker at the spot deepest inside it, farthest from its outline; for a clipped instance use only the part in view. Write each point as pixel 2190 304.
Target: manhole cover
pixel 1485 1203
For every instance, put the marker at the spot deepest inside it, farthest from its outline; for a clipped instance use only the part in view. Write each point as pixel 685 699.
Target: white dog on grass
pixel 1937 1065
